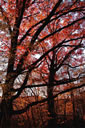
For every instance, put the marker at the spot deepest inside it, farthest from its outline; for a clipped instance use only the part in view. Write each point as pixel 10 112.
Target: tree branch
pixel 57 82
pixel 60 29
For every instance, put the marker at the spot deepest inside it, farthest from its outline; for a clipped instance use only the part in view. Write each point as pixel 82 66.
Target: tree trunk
pixel 52 122
pixel 65 110
pixel 73 103
pixel 51 109
pixel 5 114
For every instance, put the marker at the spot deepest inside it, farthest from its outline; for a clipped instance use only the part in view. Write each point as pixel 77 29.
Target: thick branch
pixel 20 16
pixel 63 13
pixel 45 23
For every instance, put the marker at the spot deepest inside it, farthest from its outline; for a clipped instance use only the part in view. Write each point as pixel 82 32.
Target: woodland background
pixel 42 63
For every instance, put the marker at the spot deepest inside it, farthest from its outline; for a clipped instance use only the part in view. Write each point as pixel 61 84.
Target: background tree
pixel 25 27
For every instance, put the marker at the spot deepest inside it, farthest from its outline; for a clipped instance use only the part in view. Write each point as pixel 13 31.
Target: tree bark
pixel 52 122
pixel 51 109
pixel 5 114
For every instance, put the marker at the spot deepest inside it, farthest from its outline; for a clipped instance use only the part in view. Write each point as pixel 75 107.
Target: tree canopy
pixel 41 45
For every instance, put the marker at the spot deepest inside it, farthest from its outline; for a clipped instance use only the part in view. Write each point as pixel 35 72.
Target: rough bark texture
pixel 6 113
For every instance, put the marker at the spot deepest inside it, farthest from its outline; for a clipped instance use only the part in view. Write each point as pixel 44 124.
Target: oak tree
pixel 26 26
